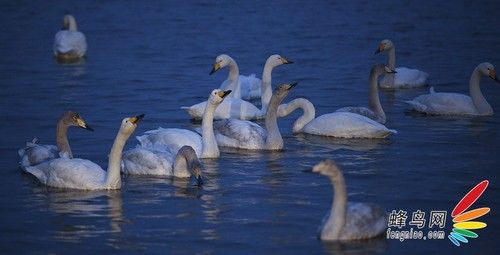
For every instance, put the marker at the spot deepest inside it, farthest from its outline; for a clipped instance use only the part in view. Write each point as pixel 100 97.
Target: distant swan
pixel 440 103
pixel 375 111
pixel 336 124
pixel 404 77
pixel 348 220
pixel 34 154
pixel 234 106
pixel 173 138
pixel 142 161
pixel 69 43
pixel 245 134
pixel 84 174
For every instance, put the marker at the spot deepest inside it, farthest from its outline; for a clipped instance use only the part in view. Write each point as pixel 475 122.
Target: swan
pixel 403 77
pixel 336 124
pixel 69 43
pixel 173 138
pixel 440 103
pixel 234 106
pixel 348 220
pixel 142 161
pixel 375 111
pixel 34 153
pixel 245 134
pixel 84 174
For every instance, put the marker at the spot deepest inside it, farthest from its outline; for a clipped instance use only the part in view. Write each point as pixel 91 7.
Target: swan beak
pixel 391 71
pixel 137 118
pixel 199 180
pixel 82 124
pixel 493 75
pixel 286 60
pixel 223 94
pixel 292 85
pixel 215 68
pixel 380 49
pixel 309 171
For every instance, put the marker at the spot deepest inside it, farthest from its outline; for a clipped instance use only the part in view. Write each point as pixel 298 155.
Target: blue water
pixel 152 57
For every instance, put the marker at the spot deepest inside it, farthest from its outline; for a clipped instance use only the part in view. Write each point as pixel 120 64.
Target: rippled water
pixel 155 57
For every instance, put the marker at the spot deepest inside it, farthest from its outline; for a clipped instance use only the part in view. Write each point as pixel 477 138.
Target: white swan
pixel 84 174
pixel 440 103
pixel 173 138
pixel 234 106
pixel 375 110
pixel 69 43
pixel 404 77
pixel 245 134
pixel 142 161
pixel 336 124
pixel 34 153
pixel 348 220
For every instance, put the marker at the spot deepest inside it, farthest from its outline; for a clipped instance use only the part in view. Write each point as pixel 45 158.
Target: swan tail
pixel 39 174
pixel 393 131
pixel 185 107
pixel 28 146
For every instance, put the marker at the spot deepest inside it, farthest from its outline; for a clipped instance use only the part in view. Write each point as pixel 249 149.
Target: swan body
pixel 245 134
pixel 235 106
pixel 440 103
pixel 34 153
pixel 141 161
pixel 375 112
pixel 83 174
pixel 173 139
pixel 348 220
pixel 69 43
pixel 336 124
pixel 403 77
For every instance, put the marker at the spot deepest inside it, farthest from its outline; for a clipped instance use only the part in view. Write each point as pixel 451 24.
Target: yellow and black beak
pixel 215 68
pixel 82 124
pixel 223 94
pixel 292 85
pixel 136 119
pixel 286 60
pixel 379 49
pixel 493 75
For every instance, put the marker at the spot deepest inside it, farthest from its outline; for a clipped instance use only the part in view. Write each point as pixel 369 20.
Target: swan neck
pixel 113 180
pixel 336 220
pixel 482 106
pixel 266 89
pixel 209 144
pixel 184 161
pixel 309 112
pixel 392 58
pixel 234 79
pixel 373 96
pixel 274 141
pixel 62 138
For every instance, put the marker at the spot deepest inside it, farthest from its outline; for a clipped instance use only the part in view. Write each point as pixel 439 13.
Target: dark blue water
pixel 152 57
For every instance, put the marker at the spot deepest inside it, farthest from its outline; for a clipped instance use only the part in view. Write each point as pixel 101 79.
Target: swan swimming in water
pixel 336 124
pixel 142 161
pixel 234 106
pixel 245 134
pixel 440 103
pixel 34 154
pixel 84 174
pixel 348 220
pixel 375 111
pixel 404 77
pixel 69 43
pixel 173 139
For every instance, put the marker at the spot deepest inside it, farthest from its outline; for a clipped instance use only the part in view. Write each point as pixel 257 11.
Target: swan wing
pixel 239 134
pixel 346 125
pixel 361 111
pixel 229 108
pixel 70 173
pixel 364 220
pixel 34 154
pixel 405 78
pixel 250 87
pixel 440 103
pixel 70 42
pixel 142 161
pixel 171 139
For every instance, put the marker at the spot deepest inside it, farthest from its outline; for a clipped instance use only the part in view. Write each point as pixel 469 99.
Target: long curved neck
pixel 234 78
pixel 482 106
pixel 336 221
pixel 373 97
pixel 266 89
pixel 184 161
pixel 309 112
pixel 391 64
pixel 210 148
pixel 62 139
pixel 113 180
pixel 274 141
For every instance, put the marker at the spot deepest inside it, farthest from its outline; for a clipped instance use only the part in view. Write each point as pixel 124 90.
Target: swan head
pixel 277 60
pixel 69 23
pixel 282 90
pixel 218 95
pixel 384 45
pixel 221 61
pixel 129 124
pixel 71 118
pixel 196 169
pixel 379 69
pixel 328 168
pixel 488 70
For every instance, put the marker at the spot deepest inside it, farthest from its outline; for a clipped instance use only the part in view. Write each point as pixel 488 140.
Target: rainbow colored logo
pixel 462 220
